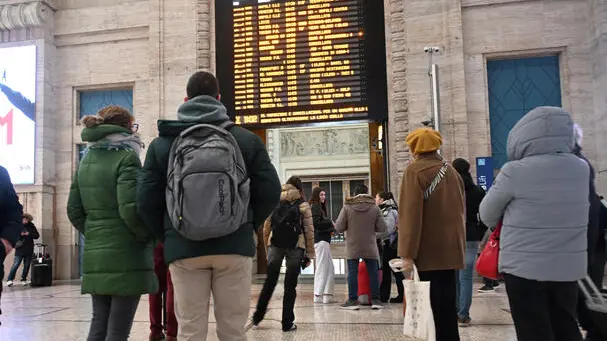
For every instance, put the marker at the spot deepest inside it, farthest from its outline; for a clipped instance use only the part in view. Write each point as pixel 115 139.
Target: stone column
pixel 598 38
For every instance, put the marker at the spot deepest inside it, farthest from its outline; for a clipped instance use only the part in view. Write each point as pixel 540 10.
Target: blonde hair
pixel 112 114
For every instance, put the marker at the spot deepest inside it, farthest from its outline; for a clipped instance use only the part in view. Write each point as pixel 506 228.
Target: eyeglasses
pixel 135 127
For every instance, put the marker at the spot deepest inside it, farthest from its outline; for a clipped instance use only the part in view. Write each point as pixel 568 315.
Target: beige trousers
pixel 228 278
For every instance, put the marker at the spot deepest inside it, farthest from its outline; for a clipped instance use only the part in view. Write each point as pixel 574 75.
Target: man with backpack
pixel 205 187
pixel 10 219
pixel 288 233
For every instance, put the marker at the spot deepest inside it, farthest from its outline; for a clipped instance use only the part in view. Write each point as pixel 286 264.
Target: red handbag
pixel 488 261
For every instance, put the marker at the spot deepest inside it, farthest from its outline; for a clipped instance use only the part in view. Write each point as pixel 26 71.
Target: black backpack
pixel 286 225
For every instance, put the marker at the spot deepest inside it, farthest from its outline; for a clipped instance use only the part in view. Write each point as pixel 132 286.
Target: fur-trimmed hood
pixel 289 193
pixel 361 202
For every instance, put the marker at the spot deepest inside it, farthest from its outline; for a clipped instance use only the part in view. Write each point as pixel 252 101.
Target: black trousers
pixel 543 311
pixel 275 256
pixel 443 300
pixel 385 287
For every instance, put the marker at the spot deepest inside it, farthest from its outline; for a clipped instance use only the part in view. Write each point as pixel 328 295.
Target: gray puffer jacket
pixel 542 195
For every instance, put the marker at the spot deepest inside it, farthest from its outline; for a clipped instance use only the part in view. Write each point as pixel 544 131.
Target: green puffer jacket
pixel 118 252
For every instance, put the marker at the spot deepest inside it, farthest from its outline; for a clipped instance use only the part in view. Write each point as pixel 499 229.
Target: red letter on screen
pixel 8 122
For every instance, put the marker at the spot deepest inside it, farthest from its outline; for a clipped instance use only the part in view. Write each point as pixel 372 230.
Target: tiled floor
pixel 61 313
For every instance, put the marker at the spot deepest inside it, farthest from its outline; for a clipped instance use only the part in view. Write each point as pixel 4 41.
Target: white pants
pixel 324 276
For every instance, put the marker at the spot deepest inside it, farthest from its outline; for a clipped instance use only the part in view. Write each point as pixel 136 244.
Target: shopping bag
pixel 419 319
pixel 488 261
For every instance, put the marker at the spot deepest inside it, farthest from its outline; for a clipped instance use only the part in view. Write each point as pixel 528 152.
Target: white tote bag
pixel 419 320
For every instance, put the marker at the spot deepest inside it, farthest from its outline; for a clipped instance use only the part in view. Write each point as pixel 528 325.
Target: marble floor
pixel 62 313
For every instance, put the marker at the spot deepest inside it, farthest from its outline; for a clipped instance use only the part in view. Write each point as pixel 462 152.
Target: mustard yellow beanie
pixel 424 140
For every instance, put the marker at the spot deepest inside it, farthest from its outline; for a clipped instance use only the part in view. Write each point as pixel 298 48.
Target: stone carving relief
pixel 24 15
pixel 326 142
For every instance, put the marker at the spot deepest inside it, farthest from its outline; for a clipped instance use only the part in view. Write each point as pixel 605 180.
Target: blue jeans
pixel 464 283
pixel 27 261
pixel 372 269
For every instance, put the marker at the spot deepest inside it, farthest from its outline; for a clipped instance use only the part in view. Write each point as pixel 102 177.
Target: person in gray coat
pixel 542 196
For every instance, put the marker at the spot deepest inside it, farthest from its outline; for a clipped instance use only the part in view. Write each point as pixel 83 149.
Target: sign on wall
pixel 282 62
pixel 484 172
pixel 18 112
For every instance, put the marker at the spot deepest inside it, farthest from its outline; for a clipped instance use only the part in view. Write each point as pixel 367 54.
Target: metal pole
pixel 435 97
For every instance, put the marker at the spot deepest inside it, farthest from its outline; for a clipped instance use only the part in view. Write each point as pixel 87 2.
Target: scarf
pixel 119 141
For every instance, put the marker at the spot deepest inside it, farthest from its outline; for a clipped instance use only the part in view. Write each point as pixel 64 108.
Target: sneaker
pixel 486 289
pixel 496 284
pixel 350 305
pixel 25 283
pixel 328 299
pixel 9 283
pixel 376 305
pixel 396 300
pixel 317 299
pixel 291 329
pixel 464 322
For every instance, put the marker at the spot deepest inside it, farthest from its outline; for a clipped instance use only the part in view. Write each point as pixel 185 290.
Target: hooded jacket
pixel 361 220
pixel 390 214
pixel 542 194
pixel 264 187
pixel 101 205
pixel 306 239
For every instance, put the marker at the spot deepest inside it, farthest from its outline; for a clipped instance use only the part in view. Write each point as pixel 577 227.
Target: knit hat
pixel 424 140
pixel 461 166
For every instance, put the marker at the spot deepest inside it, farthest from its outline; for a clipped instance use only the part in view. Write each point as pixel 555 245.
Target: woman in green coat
pixel 118 264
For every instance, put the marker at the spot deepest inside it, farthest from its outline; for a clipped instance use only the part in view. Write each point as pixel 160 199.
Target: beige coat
pixel 306 240
pixel 361 219
pixel 432 232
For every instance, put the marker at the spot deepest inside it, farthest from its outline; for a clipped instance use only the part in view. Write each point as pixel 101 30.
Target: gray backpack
pixel 207 190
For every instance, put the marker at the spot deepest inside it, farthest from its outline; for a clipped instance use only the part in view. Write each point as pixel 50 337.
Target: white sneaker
pixel 328 299
pixel 317 299
pixel 9 283
pixel 25 283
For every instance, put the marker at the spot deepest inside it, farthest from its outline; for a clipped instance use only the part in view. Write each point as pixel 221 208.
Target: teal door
pixel 515 87
pixel 90 103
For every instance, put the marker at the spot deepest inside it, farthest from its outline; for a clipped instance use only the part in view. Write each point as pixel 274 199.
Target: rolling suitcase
pixel 42 268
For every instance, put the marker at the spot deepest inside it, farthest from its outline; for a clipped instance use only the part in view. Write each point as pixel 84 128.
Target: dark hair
pixel 386 195
pixel 463 168
pixel 111 114
pixel 361 189
pixel 295 181
pixel 316 199
pixel 202 83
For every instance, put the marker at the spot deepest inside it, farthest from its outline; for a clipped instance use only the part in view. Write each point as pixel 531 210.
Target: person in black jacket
pixel 324 276
pixel 10 217
pixel 24 252
pixel 474 233
pixel 596 247
pixel 389 248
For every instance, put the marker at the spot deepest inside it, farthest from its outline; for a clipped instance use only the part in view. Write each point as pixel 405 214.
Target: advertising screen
pixel 283 62
pixel 18 112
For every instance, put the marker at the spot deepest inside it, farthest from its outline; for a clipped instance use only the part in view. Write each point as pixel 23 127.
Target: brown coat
pixel 361 219
pixel 306 240
pixel 432 232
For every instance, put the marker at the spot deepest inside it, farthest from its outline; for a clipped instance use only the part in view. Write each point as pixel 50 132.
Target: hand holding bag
pixel 488 261
pixel 419 319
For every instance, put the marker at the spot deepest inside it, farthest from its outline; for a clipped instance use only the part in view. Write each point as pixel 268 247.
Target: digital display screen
pixel 18 112
pixel 301 61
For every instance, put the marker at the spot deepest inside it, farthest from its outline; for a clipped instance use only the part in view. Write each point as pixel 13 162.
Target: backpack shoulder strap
pixel 437 180
pixel 227 125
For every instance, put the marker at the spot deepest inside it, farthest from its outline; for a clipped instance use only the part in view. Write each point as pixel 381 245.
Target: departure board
pixel 301 61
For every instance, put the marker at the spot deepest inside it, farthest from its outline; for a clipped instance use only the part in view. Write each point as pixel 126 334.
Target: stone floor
pixel 62 313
